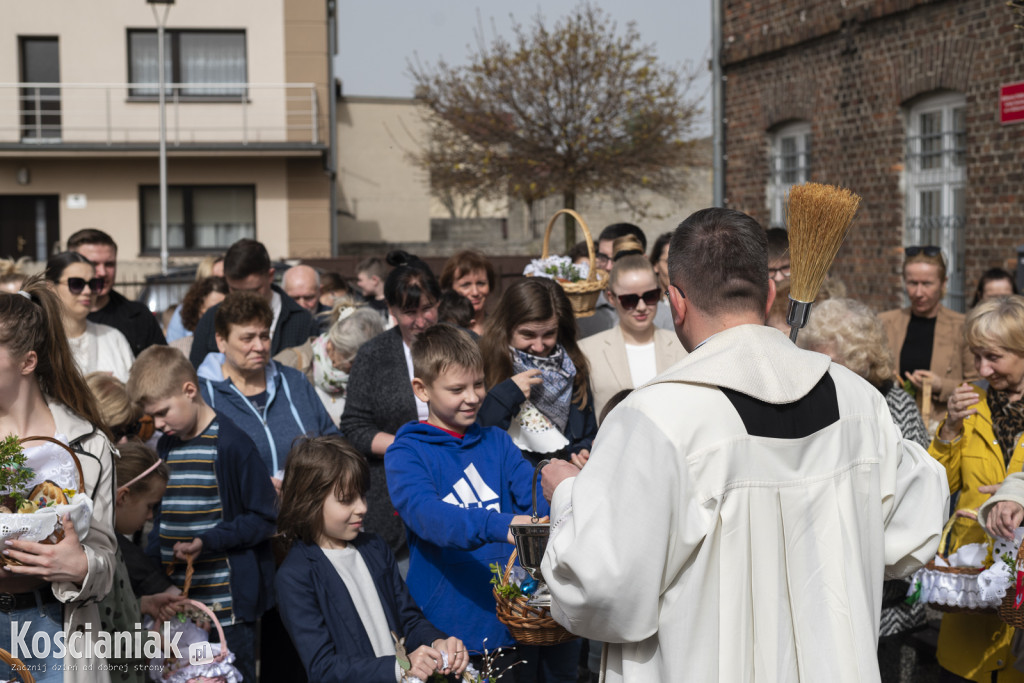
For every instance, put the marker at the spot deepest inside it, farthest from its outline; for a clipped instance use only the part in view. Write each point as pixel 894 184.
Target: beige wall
pixel 387 195
pixel 94 49
pixel 111 188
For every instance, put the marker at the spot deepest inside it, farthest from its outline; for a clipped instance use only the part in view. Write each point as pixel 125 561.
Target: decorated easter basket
pixel 528 624
pixel 25 676
pixel 582 294
pixel 978 587
pixel 54 473
pixel 217 667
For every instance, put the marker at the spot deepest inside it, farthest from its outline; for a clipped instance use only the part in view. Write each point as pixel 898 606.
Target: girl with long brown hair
pixel 42 393
pixel 536 374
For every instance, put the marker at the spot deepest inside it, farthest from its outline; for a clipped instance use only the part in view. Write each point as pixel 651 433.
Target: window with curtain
pixel 204 63
pixel 789 164
pixel 936 179
pixel 199 217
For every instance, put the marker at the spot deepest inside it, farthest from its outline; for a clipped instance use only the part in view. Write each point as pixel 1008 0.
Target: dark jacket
pixel 323 622
pixel 250 518
pixel 379 399
pixel 502 404
pixel 133 318
pixel 294 327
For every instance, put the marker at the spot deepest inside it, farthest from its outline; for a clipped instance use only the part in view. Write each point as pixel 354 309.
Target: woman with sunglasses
pixel 95 347
pixel 634 351
pixel 926 338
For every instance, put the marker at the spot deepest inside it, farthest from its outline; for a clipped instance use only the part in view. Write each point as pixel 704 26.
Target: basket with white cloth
pixel 974 579
pixel 55 487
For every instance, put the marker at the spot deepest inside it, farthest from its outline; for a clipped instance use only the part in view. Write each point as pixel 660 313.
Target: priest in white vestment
pixel 739 513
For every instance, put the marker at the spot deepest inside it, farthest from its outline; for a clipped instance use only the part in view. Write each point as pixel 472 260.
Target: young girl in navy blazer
pixel 339 590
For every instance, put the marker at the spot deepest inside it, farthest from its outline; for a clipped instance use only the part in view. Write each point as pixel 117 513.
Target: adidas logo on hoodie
pixel 471 491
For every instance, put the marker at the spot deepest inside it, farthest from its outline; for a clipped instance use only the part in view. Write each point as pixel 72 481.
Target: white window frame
pixel 936 170
pixel 789 164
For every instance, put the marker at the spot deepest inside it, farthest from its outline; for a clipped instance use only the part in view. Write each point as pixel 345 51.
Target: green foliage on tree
pixel 576 107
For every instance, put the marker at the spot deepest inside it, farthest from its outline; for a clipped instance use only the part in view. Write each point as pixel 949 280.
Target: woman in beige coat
pixel 634 351
pixel 926 338
pixel 43 394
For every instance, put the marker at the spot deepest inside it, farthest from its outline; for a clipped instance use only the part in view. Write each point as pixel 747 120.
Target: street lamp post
pixel 161 22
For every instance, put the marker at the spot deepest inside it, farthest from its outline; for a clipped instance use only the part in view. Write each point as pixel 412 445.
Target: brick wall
pixel 850 68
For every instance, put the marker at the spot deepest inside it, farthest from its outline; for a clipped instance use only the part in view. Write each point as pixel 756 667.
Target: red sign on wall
pixel 1011 103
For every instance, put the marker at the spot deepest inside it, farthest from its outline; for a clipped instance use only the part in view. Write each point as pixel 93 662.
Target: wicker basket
pixel 582 295
pixel 19 667
pixel 958 571
pixel 58 533
pixel 528 624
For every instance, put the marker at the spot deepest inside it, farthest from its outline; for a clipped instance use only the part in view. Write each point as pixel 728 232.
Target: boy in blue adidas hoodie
pixel 457 486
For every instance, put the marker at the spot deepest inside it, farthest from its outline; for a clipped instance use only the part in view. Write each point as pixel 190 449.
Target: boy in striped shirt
pixel 219 508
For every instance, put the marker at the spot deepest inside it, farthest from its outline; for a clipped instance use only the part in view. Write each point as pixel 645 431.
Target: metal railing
pixel 120 114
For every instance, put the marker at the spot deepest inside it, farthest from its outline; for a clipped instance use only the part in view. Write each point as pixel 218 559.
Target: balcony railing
pixel 116 114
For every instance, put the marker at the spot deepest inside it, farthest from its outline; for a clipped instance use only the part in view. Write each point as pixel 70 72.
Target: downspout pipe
pixel 332 117
pixel 717 107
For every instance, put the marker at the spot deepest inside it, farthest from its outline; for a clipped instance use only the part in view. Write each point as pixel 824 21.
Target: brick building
pixel 898 100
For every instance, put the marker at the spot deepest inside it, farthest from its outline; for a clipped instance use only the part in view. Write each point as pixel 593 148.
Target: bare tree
pixel 566 109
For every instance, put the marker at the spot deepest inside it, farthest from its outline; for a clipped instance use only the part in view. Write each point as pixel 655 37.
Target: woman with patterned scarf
pixel 327 359
pixel 539 390
pixel 537 377
pixel 979 443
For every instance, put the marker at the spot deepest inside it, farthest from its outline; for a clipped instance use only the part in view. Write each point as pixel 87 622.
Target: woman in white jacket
pixel 42 393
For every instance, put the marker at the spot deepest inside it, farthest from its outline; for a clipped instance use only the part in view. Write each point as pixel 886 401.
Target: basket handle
pixel 592 275
pixel 18 666
pixel 508 565
pixel 216 622
pixel 74 456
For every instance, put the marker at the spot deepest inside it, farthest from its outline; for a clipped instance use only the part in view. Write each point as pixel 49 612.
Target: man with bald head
pixel 302 283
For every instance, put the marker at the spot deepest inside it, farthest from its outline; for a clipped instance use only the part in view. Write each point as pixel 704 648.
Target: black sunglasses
pixel 630 301
pixel 926 250
pixel 76 285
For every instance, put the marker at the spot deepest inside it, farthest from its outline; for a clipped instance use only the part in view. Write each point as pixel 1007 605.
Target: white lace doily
pixel 39 525
pixel 532 431
pixel 984 590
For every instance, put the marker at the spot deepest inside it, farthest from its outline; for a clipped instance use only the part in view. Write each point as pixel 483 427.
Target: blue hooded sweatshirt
pixel 293 409
pixel 457 498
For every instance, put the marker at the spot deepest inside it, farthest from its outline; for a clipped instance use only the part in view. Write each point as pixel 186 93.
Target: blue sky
pixel 376 39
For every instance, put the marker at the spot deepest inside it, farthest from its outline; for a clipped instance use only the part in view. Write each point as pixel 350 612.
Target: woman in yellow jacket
pixel 979 443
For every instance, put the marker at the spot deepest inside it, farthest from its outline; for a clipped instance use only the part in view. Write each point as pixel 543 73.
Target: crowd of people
pixel 335 462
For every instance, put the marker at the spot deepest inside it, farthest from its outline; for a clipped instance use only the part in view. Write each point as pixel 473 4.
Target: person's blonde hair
pixel 853 335
pixel 936 259
pixel 159 373
pixel 443 346
pixel 112 399
pixel 997 323
pixel 628 257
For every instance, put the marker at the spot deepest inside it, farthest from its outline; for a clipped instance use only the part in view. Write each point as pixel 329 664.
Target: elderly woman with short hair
pixel 979 444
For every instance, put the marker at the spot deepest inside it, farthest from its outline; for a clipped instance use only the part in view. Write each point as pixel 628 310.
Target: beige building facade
pixel 247 126
pixel 384 198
